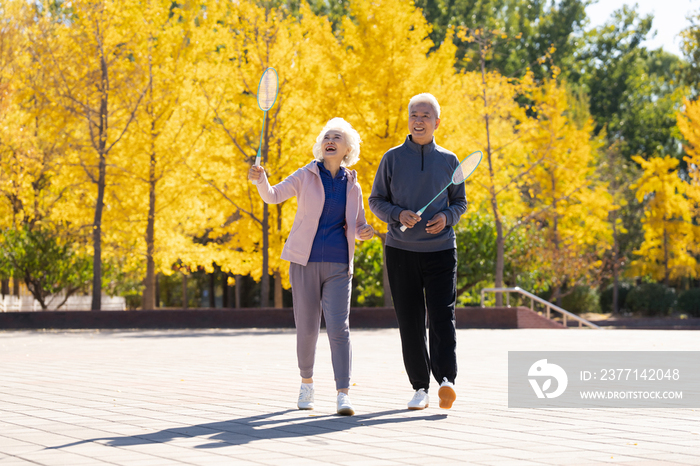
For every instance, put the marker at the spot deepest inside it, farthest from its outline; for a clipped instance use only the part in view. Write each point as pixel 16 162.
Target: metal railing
pixel 10 303
pixel 548 306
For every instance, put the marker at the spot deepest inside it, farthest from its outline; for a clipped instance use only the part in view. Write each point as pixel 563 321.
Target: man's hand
pixel 408 218
pixel 436 224
pixel 366 232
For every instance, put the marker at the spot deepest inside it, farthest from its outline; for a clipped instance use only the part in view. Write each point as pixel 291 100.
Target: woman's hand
pixel 255 173
pixel 366 232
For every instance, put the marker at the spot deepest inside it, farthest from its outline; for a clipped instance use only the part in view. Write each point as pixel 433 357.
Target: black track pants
pixel 417 280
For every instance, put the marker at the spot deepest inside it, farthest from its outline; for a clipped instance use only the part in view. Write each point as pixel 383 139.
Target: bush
pixel 689 302
pixel 651 299
pixel 368 280
pixel 606 297
pixel 581 299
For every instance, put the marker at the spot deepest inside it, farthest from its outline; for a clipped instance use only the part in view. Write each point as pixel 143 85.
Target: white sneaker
pixel 447 394
pixel 344 405
pixel 420 400
pixel 306 396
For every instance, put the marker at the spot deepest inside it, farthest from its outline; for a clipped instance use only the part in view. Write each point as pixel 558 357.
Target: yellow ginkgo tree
pixel 247 235
pixel 95 84
pixel 381 61
pixel 569 205
pixel 669 236
pixel 153 190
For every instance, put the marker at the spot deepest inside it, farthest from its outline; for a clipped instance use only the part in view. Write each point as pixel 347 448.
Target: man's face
pixel 422 123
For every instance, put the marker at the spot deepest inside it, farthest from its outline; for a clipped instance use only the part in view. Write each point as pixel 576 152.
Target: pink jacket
pixel 306 185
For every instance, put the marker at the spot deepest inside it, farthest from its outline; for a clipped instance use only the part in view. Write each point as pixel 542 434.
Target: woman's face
pixel 335 145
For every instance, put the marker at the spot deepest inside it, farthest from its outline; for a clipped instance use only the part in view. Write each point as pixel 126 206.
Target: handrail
pixel 533 298
pixel 9 303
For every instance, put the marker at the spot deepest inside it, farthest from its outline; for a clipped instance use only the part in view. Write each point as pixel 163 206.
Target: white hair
pixel 425 98
pixel 351 135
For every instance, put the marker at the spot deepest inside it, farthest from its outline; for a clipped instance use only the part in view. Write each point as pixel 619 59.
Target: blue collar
pixel 338 176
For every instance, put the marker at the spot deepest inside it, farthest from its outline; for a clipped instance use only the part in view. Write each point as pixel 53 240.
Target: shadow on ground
pixel 271 426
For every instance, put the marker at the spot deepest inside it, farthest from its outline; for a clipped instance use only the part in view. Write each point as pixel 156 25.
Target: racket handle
pixel 257 164
pixel 419 213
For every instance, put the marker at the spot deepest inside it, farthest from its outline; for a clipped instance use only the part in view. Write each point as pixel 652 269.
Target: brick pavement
pixel 227 397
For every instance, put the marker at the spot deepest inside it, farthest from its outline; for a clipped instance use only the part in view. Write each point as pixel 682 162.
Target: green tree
pixel 535 26
pixel 633 93
pixel 690 46
pixel 47 264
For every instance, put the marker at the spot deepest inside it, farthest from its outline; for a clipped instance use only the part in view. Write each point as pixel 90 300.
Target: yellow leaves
pixel 571 206
pixel 200 122
pixel 669 235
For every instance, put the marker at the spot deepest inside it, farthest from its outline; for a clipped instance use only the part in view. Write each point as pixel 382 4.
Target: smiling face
pixel 335 145
pixel 422 123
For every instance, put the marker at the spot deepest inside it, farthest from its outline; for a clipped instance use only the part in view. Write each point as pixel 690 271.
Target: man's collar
pixel 415 147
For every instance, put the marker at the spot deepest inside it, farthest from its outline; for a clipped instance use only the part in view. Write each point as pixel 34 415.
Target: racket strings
pixel 465 169
pixel 267 91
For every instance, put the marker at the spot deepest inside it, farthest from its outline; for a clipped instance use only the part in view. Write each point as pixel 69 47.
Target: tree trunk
pixel 212 289
pixel 500 239
pixel 239 284
pixel 15 286
pixel 157 291
pixel 5 285
pixel 265 279
pixel 101 183
pixel 97 239
pixel 184 291
pixel 615 295
pixel 555 230
pixel 149 298
pixel 556 295
pixel 666 271
pixel 224 291
pixel 277 273
pixel 278 290
pixel 500 253
pixel 149 301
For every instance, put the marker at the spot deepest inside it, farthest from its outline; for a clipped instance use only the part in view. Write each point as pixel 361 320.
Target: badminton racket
pixel 465 168
pixel 267 96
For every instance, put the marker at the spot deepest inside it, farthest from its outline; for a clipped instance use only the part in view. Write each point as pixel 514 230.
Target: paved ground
pixel 221 397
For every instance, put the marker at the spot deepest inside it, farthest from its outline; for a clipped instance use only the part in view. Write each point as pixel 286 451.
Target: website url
pixel 631 395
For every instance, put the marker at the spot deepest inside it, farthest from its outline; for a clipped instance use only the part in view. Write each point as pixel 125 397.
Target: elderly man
pixel 422 260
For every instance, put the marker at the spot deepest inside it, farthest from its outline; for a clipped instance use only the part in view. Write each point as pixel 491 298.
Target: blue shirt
pixel 330 243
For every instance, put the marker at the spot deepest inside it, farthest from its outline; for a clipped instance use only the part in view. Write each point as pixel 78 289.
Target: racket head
pixel 466 167
pixel 268 88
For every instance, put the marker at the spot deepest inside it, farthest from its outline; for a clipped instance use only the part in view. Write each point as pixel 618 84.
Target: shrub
pixel 651 299
pixel 606 297
pixel 689 302
pixel 368 279
pixel 581 299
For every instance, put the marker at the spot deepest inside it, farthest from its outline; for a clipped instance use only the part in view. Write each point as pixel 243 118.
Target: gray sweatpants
pixel 322 287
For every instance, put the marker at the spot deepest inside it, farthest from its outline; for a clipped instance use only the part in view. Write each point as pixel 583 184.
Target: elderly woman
pixel 321 245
